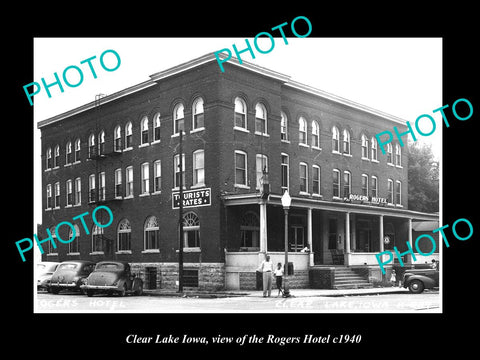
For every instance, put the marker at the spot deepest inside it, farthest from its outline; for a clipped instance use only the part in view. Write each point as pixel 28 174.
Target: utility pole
pixel 180 247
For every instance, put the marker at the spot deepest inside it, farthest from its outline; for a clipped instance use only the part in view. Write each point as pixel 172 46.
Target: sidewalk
pixel 293 292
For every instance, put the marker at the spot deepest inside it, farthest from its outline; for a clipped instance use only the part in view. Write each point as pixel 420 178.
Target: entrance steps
pixel 346 278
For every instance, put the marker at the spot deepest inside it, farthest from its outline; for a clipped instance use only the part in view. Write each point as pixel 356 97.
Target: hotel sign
pixel 192 198
pixel 366 199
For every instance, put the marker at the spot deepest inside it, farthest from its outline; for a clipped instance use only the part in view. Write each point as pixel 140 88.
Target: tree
pixel 423 179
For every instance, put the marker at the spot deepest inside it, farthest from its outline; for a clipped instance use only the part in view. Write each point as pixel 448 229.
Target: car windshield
pixel 108 267
pixel 67 266
pixel 41 267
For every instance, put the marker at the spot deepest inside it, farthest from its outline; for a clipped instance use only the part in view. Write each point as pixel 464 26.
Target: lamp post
pixel 286 201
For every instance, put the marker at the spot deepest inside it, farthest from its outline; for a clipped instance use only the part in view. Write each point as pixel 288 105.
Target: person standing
pixel 266 267
pixel 278 277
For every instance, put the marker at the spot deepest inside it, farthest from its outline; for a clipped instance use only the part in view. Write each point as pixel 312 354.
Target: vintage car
pixel 44 272
pixel 113 277
pixel 416 280
pixel 70 275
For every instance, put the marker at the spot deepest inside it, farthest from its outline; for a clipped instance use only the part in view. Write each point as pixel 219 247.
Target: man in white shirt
pixel 266 267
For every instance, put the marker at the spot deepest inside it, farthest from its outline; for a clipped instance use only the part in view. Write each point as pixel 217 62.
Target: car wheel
pixel 54 290
pixel 139 291
pixel 416 287
pixel 90 293
pixel 123 291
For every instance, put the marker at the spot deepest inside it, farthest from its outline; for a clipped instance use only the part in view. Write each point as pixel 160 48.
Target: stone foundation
pixel 248 280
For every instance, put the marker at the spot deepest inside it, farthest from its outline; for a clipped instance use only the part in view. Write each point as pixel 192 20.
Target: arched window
pixel 49 158
pixel 56 156
pixel 68 153
pixel 240 113
pixel 390 191
pixel 178 118
pixel 347 183
pixel 315 134
pixel 335 140
pixel 191 230
pixel 97 239
pixel 250 231
pixel 50 248
pixel 389 154
pixel 124 235
pixel 364 147
pixel 198 168
pixel 151 233
pixel 260 119
pixel 198 118
pixel 336 183
pixel 283 127
pixel 91 145
pixel 302 131
pixel 144 130
pixel 128 136
pixel 398 155
pixel 156 127
pixel 346 141
pixel 101 143
pixel 77 150
pixel 374 149
pixel 73 246
pixel 117 136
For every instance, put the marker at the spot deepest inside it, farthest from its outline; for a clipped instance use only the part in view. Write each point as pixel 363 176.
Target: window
pixel 101 143
pixel 57 195
pixel 69 187
pixel 97 239
pixel 398 192
pixel 151 233
pixel 101 184
pixel 176 170
pixel 390 191
pixel 315 134
pixel 198 168
pixel 128 136
pixel 68 152
pixel 374 149
pixel 198 117
pixel 73 246
pixel 374 186
pixel 157 175
pixel 145 173
pixel 240 168
pixel 191 230
pixel 117 135
pixel 124 236
pixel 144 130
pixel 285 172
pixel 336 183
pixel 261 169
pixel 283 127
pixel 347 185
pixel 156 127
pixel 49 196
pixel 50 248
pixel 302 131
pixel 346 142
pixel 91 146
pixel 398 155
pixel 56 157
pixel 77 150
pixel 365 184
pixel 389 154
pixel 78 191
pixel 240 114
pixel 49 158
pixel 364 147
pixel 118 183
pixel 260 119
pixel 335 140
pixel 129 184
pixel 303 177
pixel 91 188
pixel 250 231
pixel 316 180
pixel 178 119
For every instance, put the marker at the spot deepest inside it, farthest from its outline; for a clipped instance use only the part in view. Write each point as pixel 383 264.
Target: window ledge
pixel 76 162
pixel 197 186
pixel 151 251
pixel 96 253
pixel 190 249
pixel 67 165
pixel 73 254
pixel 261 134
pixel 156 192
pixel 316 148
pixel 304 193
pixel 347 155
pixel 241 186
pixel 144 195
pixel 241 129
pixel 197 130
pixel 399 166
pixel 390 164
pixel 303 145
pixel 178 134
pixel 374 161
pixel 155 142
pixel 68 206
pixel 52 254
pixel 317 195
pixel 366 159
pixel 285 141
pixel 336 152
pixel 128 252
pixel 77 205
pixel 128 197
pixel 48 170
pixel 144 145
pixel 127 149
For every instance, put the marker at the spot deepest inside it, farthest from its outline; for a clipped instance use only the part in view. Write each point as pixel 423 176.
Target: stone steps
pixel 346 278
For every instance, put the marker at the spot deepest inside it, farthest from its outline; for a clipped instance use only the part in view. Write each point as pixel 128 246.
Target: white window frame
pixel 240 104
pixel 365 176
pixel 68 151
pixel 128 136
pixel 49 196
pixel 78 146
pixel 151 224
pixel 261 109
pixel 302 130
pixel 78 192
pixel 124 227
pixel 237 184
pixel 101 186
pixel 337 172
pixel 335 140
pixel 144 129
pixel 390 181
pixel 117 135
pixel 69 191
pixel 156 125
pixel 305 165
pixel 198 109
pixel 176 164
pixel 196 167
pixel 365 147
pixel 398 203
pixel 390 154
pixel 346 140
pixel 374 179
pixel 91 186
pixel 315 135
pixel 398 156
pixel 91 145
pixel 284 127
pixel 259 172
pixel 129 182
pixel 178 116
pixel 56 157
pixel 49 159
pixel 118 183
pixel 316 170
pixel 346 172
pixel 157 174
pixel 145 179
pixel 56 195
pixel 374 153
pixel 101 143
pixel 287 166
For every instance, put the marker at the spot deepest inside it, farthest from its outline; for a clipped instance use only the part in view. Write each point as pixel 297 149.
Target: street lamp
pixel 286 201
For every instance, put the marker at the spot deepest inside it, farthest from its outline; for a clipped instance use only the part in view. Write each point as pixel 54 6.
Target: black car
pixel 417 280
pixel 70 275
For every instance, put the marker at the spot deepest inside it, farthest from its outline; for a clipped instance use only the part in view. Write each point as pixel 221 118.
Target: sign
pixel 192 198
pixel 366 199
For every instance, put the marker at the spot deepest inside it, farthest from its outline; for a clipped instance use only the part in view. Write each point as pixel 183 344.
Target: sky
pixel 398 76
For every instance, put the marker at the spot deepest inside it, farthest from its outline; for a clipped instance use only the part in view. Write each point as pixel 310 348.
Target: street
pixel 71 302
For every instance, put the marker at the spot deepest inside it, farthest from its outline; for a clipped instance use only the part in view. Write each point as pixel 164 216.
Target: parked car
pixel 70 275
pixel 44 272
pixel 416 280
pixel 113 277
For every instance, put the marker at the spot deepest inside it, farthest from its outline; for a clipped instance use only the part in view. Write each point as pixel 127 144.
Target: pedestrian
pixel 266 267
pixel 278 277
pixel 393 278
pixel 434 264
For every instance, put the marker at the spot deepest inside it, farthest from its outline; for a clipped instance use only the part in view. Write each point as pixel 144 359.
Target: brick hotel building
pixel 247 130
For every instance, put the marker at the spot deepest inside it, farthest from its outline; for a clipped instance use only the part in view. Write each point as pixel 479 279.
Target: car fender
pixel 427 282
